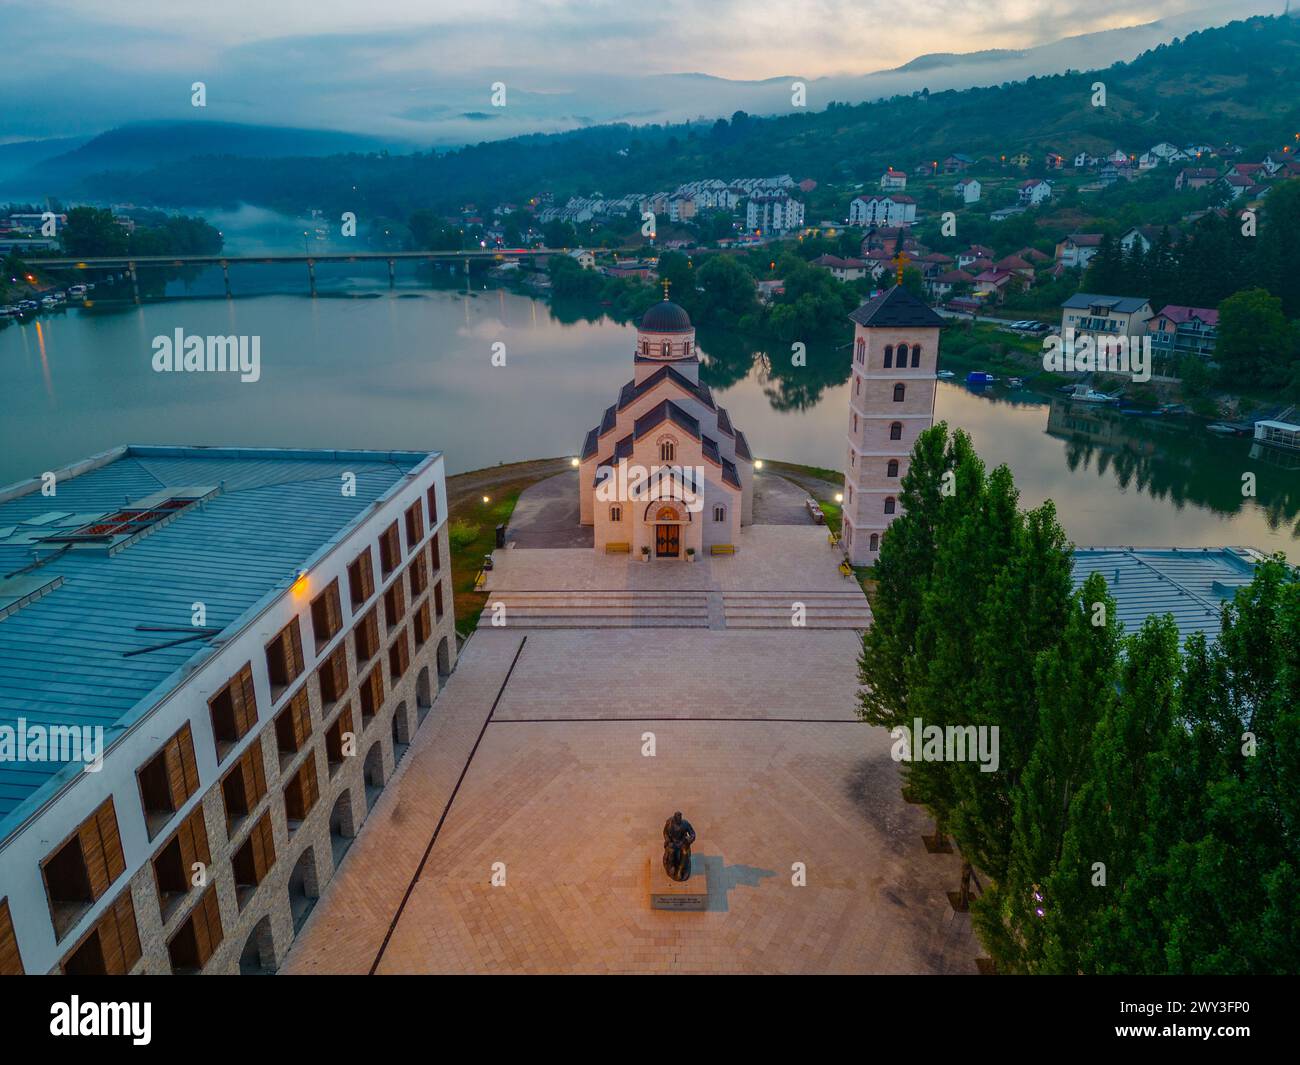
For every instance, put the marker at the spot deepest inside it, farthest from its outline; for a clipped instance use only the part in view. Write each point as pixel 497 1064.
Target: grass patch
pixel 471 531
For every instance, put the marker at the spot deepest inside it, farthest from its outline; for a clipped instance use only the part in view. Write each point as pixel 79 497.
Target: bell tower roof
pixel 665 317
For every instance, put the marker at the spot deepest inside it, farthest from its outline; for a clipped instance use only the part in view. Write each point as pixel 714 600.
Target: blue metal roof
pixel 1192 584
pixel 62 660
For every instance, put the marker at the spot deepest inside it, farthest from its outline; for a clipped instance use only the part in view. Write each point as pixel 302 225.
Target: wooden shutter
pixel 422 625
pixel 11 962
pixel 206 918
pixel 372 691
pixel 399 656
pixel 414 525
pixel 310 787
pixel 101 848
pixel 193 839
pixel 334 676
pixel 390 549
pixel 293 658
pixel 367 636
pixel 262 840
pixel 119 938
pixel 367 574
pixel 435 554
pixel 182 771
pixel 394 602
pixel 293 726
pixel 334 737
pixel 243 699
pixel 432 499
pixel 437 598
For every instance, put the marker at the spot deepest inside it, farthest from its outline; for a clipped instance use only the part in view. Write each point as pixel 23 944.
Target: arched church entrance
pixel 668 532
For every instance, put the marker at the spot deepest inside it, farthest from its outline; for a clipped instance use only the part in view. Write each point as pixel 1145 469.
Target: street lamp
pixel 839 497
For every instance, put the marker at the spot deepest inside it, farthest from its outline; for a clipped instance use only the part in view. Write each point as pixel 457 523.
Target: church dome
pixel 666 317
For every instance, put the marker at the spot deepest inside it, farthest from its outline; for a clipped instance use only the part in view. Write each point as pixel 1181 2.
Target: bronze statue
pixel 678 837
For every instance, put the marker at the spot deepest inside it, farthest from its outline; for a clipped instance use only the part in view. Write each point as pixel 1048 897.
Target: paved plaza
pixel 517 834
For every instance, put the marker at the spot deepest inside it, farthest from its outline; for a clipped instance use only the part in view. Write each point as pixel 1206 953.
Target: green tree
pixel 1256 343
pixel 92 231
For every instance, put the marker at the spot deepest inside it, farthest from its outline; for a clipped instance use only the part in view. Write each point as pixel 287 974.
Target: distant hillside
pixel 21 156
pixel 144 145
pixel 1239 83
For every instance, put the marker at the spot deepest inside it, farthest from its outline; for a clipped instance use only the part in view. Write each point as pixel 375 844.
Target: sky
pixel 422 71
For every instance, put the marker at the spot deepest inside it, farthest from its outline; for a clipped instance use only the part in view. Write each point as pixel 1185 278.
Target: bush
pixel 462 534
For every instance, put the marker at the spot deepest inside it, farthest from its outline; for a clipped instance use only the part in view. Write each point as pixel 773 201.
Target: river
pixel 363 366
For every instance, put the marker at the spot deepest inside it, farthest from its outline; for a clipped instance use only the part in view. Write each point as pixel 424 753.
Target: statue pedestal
pixel 667 894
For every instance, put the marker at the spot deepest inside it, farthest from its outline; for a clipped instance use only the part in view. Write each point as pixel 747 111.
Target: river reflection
pixel 369 367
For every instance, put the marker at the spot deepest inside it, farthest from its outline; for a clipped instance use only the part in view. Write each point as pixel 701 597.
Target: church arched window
pixel 896 431
pixel 892 469
pixel 848 488
pixel 874 542
pixel 889 505
pixel 862 350
pixel 615 513
pixel 902 354
pixel 719 513
pixel 889 356
pixel 900 390
pixel 665 349
pixel 855 423
pixel 916 355
pixel 667 451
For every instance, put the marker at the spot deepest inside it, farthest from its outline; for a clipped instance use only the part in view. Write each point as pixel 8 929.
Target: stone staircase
pixel 600 609
pixel 847 609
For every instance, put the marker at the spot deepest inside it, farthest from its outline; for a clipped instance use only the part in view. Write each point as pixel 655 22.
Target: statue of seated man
pixel 678 837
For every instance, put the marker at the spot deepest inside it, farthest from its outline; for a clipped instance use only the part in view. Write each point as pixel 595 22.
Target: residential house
pixel 1105 316
pixel 842 269
pixel 1178 330
pixel 1254 172
pixel 1054 161
pixel 957 163
pixel 974 252
pixel 945 284
pixel 1195 177
pixel 1077 250
pixel 584 258
pixel 893 180
pixel 1014 264
pixel 1034 191
pixel 876 210
pixel 1147 236
pixel 773 214
pixel 1020 160
pixel 994 284
pixel 968 189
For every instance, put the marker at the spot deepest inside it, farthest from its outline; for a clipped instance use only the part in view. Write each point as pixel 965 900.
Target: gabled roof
pixel 1179 314
pixel 896 308
pixel 665 411
pixel 632 391
pixel 1122 304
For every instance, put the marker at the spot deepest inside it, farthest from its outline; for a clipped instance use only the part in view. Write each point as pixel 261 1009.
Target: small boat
pixel 1225 429
pixel 945 375
pixel 1015 382
pixel 979 377
pixel 1084 394
pixel 1142 412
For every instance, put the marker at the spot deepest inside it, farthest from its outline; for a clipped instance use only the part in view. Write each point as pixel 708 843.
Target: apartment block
pixel 259 634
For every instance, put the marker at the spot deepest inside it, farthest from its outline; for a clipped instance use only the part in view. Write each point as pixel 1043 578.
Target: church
pixel 665 473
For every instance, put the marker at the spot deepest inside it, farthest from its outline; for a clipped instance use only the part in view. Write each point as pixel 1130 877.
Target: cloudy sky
pixel 421 71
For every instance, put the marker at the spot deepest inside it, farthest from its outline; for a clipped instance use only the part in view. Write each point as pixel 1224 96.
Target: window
pixel 326 615
pixel 254 859
pixel 437 600
pixel 848 489
pixel 394 604
pixel 615 513
pixel 665 349
pixel 300 794
pixel 891 470
pixel 366 637
pixel 902 355
pixel 11 962
pixel 857 385
pixel 900 390
pixel 414 524
pixel 82 869
pixel 233 710
pixel 889 505
pixel 418 571
pixel 896 431
pixel 173 865
pixel 333 675
pixel 340 741
pixel 431 504
pixel 199 937
pixel 284 661
pixel 243 787
pixel 860 350
pixel 390 551
pixel 667 451
pixel 435 554
pixel 889 356
pixel 855 422
pixel 361 580
pixel 167 780
pixel 719 513
pixel 399 657
pixel 422 625
pixel 916 355
pixel 874 543
pixel 293 727
pixel 112 947
pixel 371 695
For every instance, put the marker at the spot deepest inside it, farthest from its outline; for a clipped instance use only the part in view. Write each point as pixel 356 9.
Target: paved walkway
pixel 547 515
pixel 778 501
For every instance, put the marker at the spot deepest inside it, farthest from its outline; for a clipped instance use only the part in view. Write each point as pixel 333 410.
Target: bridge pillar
pixel 135 284
pixel 311 276
pixel 392 273
pixel 225 274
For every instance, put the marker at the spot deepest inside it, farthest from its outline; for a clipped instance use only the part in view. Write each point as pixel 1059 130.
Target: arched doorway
pixel 668 532
pixel 343 827
pixel 444 661
pixel 304 888
pixel 401 728
pixel 423 696
pixel 373 773
pixel 258 956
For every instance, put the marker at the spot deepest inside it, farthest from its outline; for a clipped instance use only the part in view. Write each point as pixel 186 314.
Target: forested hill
pixel 1239 83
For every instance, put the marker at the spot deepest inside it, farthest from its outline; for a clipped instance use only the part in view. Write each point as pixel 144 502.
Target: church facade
pixel 891 400
pixel 665 471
